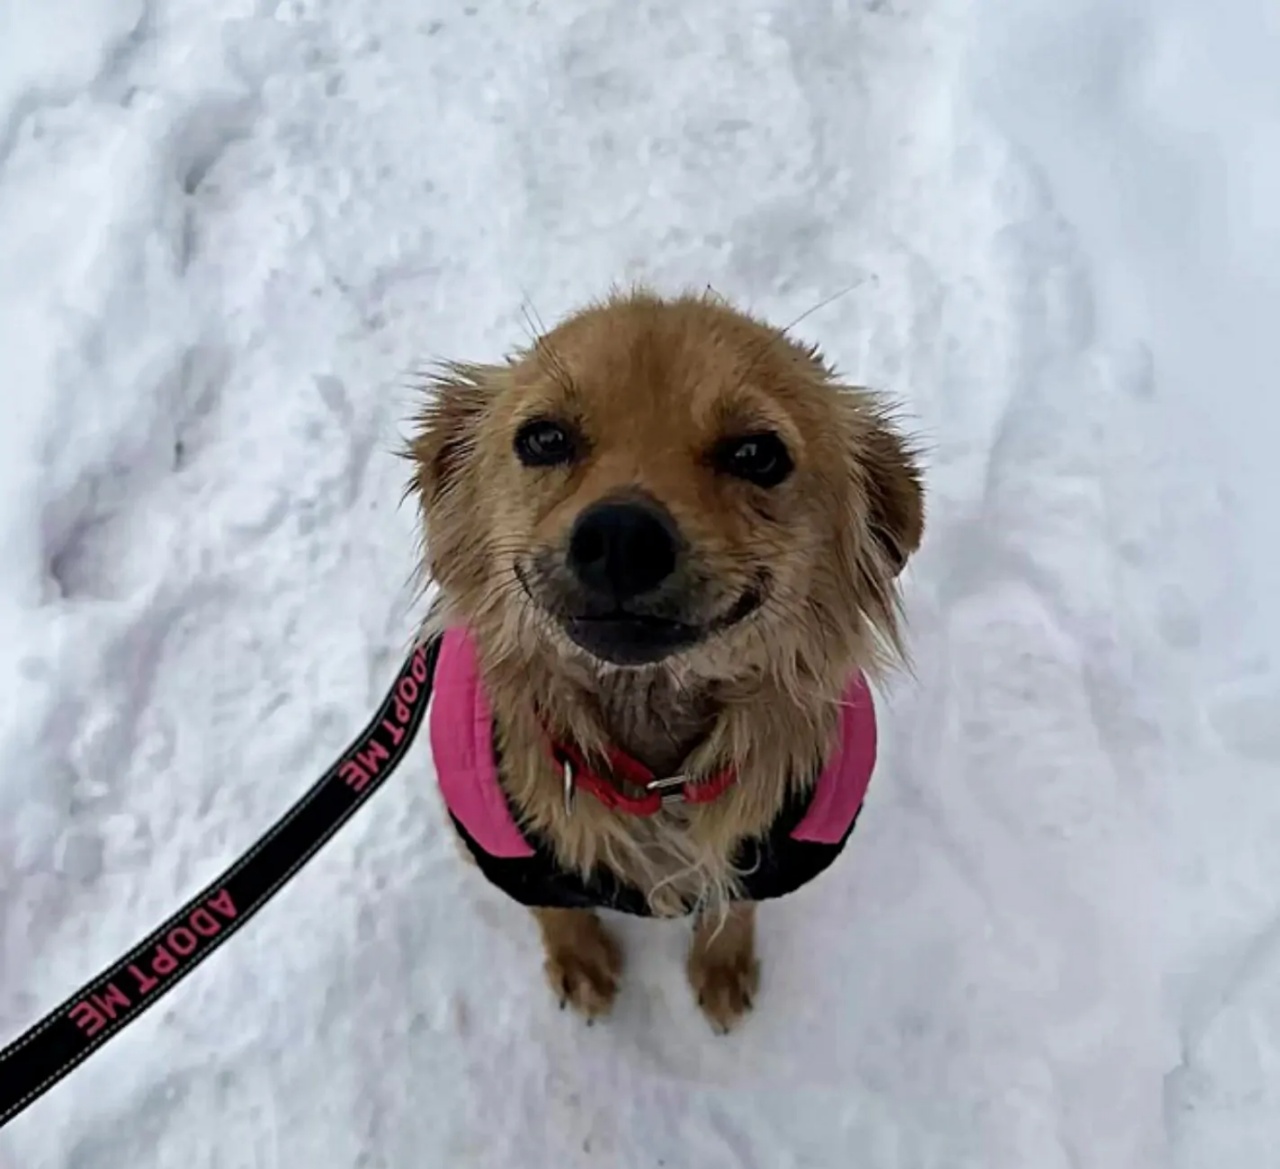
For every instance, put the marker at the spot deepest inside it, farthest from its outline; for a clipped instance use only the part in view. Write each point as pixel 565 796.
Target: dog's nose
pixel 621 550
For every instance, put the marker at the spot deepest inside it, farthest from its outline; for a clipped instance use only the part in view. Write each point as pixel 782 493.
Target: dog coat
pixel 808 834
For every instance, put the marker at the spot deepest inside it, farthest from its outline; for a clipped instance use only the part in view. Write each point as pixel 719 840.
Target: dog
pixel 667 541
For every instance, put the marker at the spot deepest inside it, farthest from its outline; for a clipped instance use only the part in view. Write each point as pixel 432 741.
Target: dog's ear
pixel 449 425
pixel 893 484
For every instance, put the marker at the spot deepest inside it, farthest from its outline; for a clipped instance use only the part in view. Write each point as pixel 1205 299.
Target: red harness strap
pixel 635 774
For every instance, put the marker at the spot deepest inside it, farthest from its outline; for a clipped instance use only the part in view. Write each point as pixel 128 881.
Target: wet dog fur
pixel 786 584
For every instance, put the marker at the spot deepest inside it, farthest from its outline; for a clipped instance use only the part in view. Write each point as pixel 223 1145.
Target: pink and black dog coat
pixel 808 834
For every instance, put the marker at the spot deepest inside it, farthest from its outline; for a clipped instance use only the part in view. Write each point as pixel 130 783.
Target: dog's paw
pixel 725 986
pixel 584 968
pixel 722 965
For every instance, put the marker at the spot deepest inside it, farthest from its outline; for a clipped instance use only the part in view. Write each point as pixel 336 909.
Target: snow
pixel 226 234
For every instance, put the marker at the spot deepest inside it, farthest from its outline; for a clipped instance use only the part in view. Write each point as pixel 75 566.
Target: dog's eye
pixel 543 443
pixel 762 459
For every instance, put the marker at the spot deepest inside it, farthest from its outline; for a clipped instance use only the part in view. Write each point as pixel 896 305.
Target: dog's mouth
pixel 632 637
pixel 628 639
pixel 638 639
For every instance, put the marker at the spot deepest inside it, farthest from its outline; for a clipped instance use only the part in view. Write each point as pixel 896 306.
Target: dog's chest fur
pixel 652 717
pixel 658 720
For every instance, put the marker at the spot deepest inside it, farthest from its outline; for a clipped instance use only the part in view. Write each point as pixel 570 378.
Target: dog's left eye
pixel 762 459
pixel 543 443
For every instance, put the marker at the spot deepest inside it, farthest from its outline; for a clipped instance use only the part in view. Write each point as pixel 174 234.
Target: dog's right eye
pixel 543 443
pixel 762 459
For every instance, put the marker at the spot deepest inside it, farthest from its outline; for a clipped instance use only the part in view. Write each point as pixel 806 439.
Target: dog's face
pixel 665 481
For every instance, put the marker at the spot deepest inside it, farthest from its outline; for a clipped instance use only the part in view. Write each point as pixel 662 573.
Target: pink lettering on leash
pixel 418 667
pixel 146 984
pixel 373 755
pixel 163 963
pixel 93 1014
pixel 221 901
pixel 111 998
pixel 182 941
pixel 367 759
pixel 88 1018
pixel 354 776
pixel 204 923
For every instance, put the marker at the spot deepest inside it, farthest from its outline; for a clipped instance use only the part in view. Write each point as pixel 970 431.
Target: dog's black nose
pixel 622 550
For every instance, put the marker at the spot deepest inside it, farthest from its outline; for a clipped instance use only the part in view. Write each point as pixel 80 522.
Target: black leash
pixel 67 1036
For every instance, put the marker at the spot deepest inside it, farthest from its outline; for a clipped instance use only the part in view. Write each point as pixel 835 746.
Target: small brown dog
pixel 667 541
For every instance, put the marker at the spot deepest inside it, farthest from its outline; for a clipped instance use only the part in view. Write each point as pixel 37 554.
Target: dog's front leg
pixel 723 969
pixel 583 961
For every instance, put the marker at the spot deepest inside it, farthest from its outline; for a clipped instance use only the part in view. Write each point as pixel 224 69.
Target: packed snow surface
pixel 228 232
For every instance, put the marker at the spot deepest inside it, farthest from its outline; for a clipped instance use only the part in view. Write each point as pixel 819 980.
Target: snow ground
pixel 226 232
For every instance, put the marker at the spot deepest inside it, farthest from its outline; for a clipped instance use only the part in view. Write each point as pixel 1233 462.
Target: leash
pixel 102 1008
